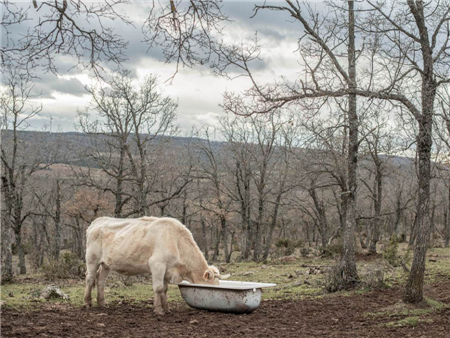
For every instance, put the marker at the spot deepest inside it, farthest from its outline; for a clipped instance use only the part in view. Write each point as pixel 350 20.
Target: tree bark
pixel 375 234
pixel 216 245
pixel 205 239
pixel 223 224
pixel 447 222
pixel 20 252
pixel 414 285
pixel 348 262
pixel 258 227
pixel 272 227
pixel 322 222
pixel 58 220
pixel 7 269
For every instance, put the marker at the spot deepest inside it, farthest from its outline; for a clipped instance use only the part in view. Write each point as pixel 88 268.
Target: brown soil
pixel 329 316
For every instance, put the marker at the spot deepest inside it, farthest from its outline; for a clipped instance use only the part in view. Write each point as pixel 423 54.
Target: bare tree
pixel 378 145
pixel 52 209
pixel 19 160
pixel 329 72
pixel 400 31
pixel 443 132
pixel 239 138
pixel 69 27
pixel 184 30
pixel 133 122
pixel 212 170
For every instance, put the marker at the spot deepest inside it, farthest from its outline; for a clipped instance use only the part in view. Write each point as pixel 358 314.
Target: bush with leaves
pixel 391 252
pixel 333 249
pixel 68 266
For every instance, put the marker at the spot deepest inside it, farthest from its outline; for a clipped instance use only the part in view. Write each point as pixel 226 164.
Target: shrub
pixel 304 251
pixel 333 279
pixel 374 278
pixel 336 248
pixel 68 266
pixel 391 252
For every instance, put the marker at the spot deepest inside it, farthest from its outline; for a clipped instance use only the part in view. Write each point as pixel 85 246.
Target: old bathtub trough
pixel 228 296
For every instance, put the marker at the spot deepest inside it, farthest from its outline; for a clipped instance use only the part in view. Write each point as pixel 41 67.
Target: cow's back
pixel 126 245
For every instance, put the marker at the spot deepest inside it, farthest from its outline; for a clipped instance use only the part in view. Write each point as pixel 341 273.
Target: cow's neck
pixel 191 255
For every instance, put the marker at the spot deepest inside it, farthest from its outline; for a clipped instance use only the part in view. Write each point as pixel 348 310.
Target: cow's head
pixel 211 275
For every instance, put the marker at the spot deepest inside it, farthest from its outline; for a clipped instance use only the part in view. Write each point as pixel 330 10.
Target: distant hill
pixel 72 144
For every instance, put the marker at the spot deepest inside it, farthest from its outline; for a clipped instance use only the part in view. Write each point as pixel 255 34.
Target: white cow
pixel 162 246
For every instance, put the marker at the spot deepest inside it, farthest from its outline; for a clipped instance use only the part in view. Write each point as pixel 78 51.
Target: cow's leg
pixel 91 273
pixel 158 271
pixel 103 273
pixel 164 303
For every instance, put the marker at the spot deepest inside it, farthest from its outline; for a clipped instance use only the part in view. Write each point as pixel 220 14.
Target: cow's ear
pixel 208 275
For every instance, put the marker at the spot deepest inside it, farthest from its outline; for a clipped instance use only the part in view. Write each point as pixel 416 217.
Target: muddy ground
pixel 328 316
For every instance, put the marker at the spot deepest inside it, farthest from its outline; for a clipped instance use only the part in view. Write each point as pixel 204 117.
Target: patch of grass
pixel 401 309
pixel 291 278
pixel 408 321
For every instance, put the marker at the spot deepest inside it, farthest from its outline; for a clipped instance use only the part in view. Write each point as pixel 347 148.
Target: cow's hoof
pixel 87 306
pixel 103 305
pixel 159 312
pixel 168 311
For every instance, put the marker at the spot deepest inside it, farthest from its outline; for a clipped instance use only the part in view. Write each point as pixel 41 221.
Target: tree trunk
pixel 398 215
pixel 20 252
pixel 322 222
pixel 7 269
pixel 375 235
pixel 272 227
pixel 205 239
pixel 258 228
pixel 58 220
pixel 348 262
pixel 119 182
pixel 414 286
pixel 216 245
pixel 223 223
pixel 228 258
pixel 184 210
pixel 447 222
pixel 412 236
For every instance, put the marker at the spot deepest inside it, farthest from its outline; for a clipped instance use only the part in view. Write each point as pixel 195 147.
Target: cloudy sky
pixel 197 90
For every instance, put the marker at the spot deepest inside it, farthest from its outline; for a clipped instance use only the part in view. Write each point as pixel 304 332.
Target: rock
pixel 432 260
pixel 290 276
pixel 298 273
pixel 263 267
pixel 287 259
pixel 297 283
pixel 193 322
pixel 248 273
pixel 434 255
pixel 53 292
pixel 10 294
pixel 101 325
pixel 306 282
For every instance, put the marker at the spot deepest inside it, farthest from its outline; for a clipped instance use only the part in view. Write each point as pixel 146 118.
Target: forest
pixel 340 169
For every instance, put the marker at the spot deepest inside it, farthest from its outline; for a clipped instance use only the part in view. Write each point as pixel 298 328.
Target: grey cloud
pixel 274 27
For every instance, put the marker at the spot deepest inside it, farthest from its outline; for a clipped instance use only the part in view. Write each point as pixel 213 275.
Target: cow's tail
pixel 99 270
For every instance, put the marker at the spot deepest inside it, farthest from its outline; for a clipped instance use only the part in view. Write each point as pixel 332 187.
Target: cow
pixel 162 246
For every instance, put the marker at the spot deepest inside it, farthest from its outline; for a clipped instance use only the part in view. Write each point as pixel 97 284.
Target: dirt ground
pixel 328 316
